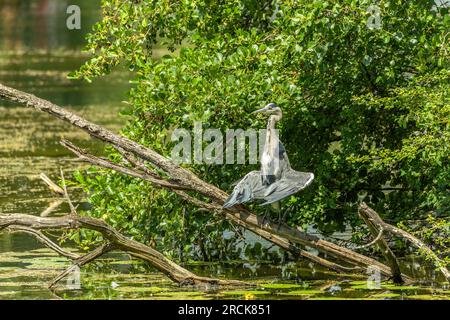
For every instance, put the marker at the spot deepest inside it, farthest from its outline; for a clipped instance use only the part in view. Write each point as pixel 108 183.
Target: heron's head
pixel 270 108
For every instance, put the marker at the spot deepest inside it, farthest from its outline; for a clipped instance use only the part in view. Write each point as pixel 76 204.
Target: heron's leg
pixel 283 219
pixel 284 215
pixel 276 207
pixel 266 213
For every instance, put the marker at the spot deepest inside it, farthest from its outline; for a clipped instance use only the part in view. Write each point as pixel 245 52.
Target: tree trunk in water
pixel 364 209
pixel 377 233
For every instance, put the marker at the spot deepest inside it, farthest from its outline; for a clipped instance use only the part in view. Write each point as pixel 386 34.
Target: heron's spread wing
pixel 248 188
pixel 291 182
pixel 251 187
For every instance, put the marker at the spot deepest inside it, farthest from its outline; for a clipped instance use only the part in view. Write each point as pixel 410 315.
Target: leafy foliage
pixel 365 109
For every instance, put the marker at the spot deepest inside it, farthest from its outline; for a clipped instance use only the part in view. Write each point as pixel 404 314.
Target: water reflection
pixel 41 24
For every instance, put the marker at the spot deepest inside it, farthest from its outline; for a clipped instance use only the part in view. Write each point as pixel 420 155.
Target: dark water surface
pixel 37 52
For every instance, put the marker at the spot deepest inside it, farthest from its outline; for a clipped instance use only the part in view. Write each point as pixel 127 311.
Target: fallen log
pixel 115 241
pixel 279 234
pixel 371 215
pixel 34 226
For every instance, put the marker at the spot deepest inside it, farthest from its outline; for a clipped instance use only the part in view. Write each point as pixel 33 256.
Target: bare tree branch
pixel 51 185
pixel 52 207
pixel 116 240
pixel 81 261
pixel 388 254
pixel 371 243
pixel 86 157
pixel 73 210
pixel 44 240
pixel 371 214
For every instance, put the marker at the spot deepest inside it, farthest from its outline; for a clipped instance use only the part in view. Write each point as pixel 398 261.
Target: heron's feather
pixel 291 182
pixel 244 189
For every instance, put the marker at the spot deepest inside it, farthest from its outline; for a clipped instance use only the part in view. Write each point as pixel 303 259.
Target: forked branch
pixel 34 225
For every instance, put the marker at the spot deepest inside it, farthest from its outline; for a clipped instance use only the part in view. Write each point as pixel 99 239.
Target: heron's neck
pixel 273 119
pixel 271 136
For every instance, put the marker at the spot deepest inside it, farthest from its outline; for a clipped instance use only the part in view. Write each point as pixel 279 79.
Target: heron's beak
pixel 260 110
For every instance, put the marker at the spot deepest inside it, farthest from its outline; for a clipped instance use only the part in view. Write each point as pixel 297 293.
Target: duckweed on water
pixel 141 289
pixel 385 287
pixel 244 292
pixel 386 295
pixel 280 286
pixel 301 292
pixel 182 295
pixel 427 297
pixel 27 277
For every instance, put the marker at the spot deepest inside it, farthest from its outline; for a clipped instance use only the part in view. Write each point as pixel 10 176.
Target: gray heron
pixel 276 180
